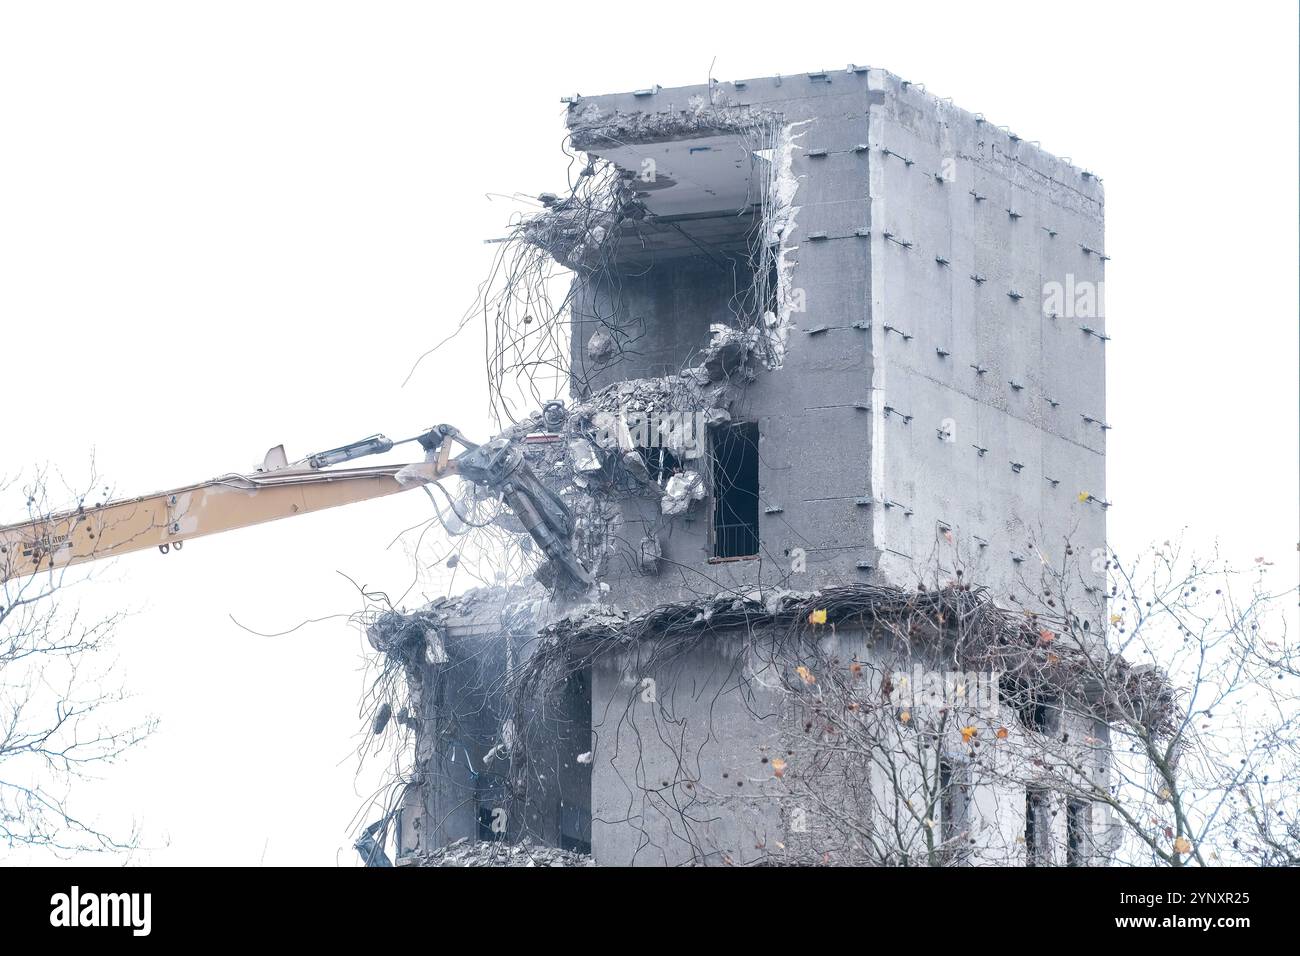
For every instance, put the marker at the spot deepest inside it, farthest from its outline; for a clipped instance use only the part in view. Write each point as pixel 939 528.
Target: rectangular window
pixel 1038 828
pixel 735 490
pixel 1078 832
pixel 1037 711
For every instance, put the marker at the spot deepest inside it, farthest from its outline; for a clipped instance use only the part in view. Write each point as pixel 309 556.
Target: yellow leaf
pixel 905 716
pixel 1084 496
pixel 1182 845
pixel 806 674
pixel 1046 636
pixel 855 669
pixel 778 767
pixel 817 617
pixel 967 733
pixel 1002 733
pixel 1116 618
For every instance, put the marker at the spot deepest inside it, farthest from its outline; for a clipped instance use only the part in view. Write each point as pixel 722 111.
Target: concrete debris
pixel 682 488
pixel 406 637
pixel 634 464
pixel 728 352
pixel 523 617
pixel 601 346
pixel 382 716
pixel 371 844
pixel 779 218
pixel 573 230
pixel 595 615
pixel 435 650
pixel 651 554
pixel 594 130
pixel 990 635
pixel 584 455
pixel 611 432
pixel 464 852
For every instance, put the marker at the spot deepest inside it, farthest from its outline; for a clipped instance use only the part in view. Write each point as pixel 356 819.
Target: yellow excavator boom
pixel 169 518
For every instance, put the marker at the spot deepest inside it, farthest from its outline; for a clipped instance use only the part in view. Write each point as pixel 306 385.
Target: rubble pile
pixel 984 635
pixel 406 638
pixel 592 129
pixel 641 437
pixel 573 230
pixel 465 852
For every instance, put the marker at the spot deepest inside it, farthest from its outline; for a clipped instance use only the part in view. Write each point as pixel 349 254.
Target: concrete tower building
pixel 832 338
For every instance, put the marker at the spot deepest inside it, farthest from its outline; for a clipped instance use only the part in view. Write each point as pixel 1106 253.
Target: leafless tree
pixel 1191 689
pixel 62 719
pixel 1152 720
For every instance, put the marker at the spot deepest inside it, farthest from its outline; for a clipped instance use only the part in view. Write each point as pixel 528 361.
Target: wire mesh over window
pixel 735 490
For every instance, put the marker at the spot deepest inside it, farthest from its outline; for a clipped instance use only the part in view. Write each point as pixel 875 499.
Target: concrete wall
pixel 685 739
pixel 1029 226
pixel 677 772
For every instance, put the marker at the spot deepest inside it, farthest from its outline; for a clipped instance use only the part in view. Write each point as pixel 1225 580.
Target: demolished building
pixel 820 433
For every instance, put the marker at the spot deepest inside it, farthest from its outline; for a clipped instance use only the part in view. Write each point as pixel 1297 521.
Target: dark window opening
pixel 661 463
pixel 1040 716
pixel 485 823
pixel 1038 828
pixel 1037 712
pixel 735 490
pixel 1078 831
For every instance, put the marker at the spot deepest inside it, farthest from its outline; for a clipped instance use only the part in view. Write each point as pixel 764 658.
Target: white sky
pixel 226 226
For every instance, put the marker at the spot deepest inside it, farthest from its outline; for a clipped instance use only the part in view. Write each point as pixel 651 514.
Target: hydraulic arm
pixel 281 490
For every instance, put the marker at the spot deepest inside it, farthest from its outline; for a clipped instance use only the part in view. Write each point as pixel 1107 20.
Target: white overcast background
pixel 224 226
